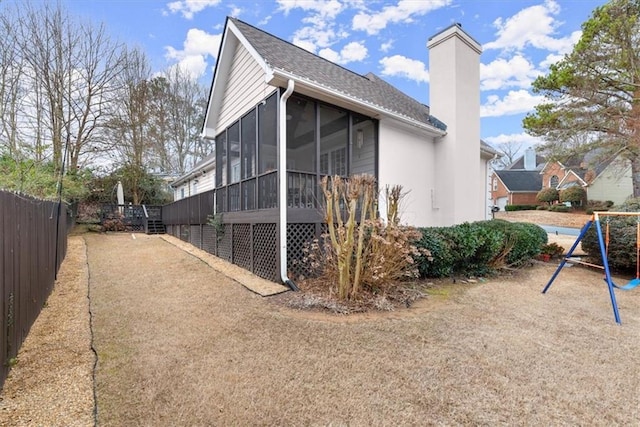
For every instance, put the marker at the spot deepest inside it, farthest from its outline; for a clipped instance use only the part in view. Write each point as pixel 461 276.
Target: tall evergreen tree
pixel 593 93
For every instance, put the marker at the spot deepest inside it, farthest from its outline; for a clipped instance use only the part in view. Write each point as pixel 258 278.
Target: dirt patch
pixel 52 385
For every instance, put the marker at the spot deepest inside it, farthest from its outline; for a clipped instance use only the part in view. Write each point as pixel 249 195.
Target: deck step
pixel 155 226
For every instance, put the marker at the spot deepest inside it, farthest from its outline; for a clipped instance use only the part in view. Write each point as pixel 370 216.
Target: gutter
pixel 282 183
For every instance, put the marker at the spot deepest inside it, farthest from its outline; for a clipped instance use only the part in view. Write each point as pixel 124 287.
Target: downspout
pixel 282 181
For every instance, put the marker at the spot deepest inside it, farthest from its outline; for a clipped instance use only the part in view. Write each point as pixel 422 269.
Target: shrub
pixel 360 252
pixel 525 240
pixel 548 195
pixel 559 208
pixel 575 195
pixel 510 208
pixel 442 254
pixel 542 208
pixel 552 249
pixel 478 248
pixel 622 240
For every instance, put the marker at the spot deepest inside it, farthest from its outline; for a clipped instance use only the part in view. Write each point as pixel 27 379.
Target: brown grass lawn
pixel 181 344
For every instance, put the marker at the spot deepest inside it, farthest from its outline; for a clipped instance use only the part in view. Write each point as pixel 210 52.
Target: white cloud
pixel 354 51
pixel 196 48
pixel 398 65
pixel 522 138
pixel 188 8
pixel 324 8
pixel 384 47
pixel 532 26
pixel 552 58
pixel 403 12
pixel 515 102
pixel 235 11
pixel 501 74
pixel 320 30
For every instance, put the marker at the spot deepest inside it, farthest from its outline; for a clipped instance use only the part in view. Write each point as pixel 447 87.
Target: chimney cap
pixel 450 31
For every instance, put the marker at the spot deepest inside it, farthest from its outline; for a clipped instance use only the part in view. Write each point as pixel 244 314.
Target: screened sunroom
pixel 321 139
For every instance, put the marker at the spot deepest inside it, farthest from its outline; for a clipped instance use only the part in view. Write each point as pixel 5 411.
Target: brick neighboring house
pixel 520 182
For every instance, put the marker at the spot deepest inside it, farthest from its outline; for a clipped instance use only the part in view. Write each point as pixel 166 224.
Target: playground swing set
pixel 603 241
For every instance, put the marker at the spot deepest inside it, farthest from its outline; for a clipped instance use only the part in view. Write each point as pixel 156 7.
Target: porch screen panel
pixel 221 160
pixel 248 164
pixel 334 139
pixel 233 144
pixel 268 135
pixel 301 133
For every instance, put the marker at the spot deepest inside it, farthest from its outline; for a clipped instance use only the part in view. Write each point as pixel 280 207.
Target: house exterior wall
pixel 523 199
pixel 501 193
pixel 454 70
pixel 550 170
pixel 244 87
pixel 498 190
pixel 614 183
pixel 407 159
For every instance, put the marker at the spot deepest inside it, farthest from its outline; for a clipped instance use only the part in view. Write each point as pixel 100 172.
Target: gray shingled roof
pixel 520 180
pixel 284 56
pixel 519 164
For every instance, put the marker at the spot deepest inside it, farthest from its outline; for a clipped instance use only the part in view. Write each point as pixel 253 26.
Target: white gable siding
pixel 614 183
pixel 407 159
pixel 245 87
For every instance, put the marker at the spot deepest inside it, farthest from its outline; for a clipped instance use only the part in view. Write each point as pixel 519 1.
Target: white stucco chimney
pixel 454 98
pixel 530 159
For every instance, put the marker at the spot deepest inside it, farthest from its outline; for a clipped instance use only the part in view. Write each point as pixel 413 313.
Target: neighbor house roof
pixel 287 58
pixel 520 180
pixel 519 164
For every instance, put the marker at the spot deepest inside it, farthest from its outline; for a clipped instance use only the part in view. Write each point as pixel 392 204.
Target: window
pixel 495 184
pixel 554 181
pixel 334 162
pixel 182 193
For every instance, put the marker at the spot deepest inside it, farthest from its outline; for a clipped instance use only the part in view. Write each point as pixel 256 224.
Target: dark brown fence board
pixel 34 243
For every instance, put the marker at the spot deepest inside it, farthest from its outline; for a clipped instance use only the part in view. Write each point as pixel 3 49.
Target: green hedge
pixel 478 248
pixel 622 238
pixel 510 208
pixel 559 208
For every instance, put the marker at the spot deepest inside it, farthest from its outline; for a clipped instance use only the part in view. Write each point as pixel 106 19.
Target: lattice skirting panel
pixel 253 246
pixel 195 236
pixel 184 232
pixel 209 239
pixel 265 251
pixel 225 243
pixel 242 245
pixel 299 236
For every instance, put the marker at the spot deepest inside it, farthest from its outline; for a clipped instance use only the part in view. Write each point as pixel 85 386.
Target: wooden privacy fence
pixel 32 246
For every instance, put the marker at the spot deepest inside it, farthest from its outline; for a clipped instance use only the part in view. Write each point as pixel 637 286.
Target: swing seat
pixel 632 284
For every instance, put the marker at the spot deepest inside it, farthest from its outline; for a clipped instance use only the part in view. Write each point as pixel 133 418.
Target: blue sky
pixel 520 38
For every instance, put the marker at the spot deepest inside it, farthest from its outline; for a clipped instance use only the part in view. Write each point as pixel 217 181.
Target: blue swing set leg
pixel 605 263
